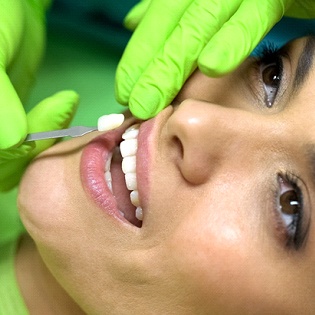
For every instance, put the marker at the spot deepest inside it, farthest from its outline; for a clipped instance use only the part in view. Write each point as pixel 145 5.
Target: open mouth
pixel 108 174
pixel 121 179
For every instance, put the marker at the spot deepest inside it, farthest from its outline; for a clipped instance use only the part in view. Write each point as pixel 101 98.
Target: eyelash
pixel 268 54
pixel 292 233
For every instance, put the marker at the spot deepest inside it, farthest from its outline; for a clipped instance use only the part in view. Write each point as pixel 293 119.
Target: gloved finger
pixel 28 57
pixel 14 153
pixel 302 9
pixel 166 74
pixel 13 125
pixel 234 42
pixel 11 173
pixel 39 6
pixel 144 44
pixel 21 34
pixel 136 14
pixel 55 112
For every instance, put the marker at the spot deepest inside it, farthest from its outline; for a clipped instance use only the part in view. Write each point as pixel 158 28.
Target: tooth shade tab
pixel 109 122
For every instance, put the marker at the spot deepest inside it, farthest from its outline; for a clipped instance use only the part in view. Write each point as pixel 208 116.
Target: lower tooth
pixel 134 197
pixel 139 213
pixel 110 186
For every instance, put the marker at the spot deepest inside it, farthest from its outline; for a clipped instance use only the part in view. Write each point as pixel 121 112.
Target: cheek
pixel 45 195
pixel 215 251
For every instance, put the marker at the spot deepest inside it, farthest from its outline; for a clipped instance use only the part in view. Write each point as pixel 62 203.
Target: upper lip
pixel 148 139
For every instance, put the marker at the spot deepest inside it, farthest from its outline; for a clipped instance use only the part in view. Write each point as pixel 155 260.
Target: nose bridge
pixel 211 135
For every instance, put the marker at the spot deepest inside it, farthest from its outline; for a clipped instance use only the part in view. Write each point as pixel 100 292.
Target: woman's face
pixel 225 179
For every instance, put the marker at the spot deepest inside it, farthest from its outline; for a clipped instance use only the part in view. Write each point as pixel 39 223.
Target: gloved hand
pixel 55 112
pixel 22 34
pixel 174 37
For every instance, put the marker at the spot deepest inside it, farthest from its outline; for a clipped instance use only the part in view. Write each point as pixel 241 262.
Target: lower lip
pixel 92 167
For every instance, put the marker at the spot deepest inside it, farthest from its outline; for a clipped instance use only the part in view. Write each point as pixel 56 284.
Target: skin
pixel 211 242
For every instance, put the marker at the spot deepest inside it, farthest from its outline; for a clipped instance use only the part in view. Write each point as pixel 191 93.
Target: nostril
pixel 179 146
pixel 176 150
pixel 193 161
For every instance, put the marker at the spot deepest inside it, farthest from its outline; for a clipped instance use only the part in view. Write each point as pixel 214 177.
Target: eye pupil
pixel 289 202
pixel 271 76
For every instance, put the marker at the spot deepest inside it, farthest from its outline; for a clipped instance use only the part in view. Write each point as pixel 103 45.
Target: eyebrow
pixel 303 70
pixel 305 63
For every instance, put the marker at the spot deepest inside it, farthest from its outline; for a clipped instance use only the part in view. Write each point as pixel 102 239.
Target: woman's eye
pixel 271 75
pixel 269 65
pixel 290 209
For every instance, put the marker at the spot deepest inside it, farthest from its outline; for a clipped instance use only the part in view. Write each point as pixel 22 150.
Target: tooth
pixel 108 162
pixel 131 132
pixel 129 164
pixel 131 181
pixel 134 197
pixel 108 176
pixel 128 147
pixel 139 213
pixel 121 213
pixel 110 186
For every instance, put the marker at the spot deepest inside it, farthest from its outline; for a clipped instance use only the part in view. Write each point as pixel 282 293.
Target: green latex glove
pixel 22 36
pixel 176 36
pixel 55 112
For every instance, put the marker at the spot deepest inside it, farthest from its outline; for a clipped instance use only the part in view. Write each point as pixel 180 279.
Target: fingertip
pixel 144 110
pixel 121 97
pixel 54 112
pixel 11 135
pixel 139 111
pixel 19 152
pixel 217 62
pixel 122 87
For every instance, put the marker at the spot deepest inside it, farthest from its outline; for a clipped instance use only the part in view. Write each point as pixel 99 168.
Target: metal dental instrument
pixel 76 131
pixel 105 123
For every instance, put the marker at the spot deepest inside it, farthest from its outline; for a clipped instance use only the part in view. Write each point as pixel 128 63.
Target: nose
pixel 211 136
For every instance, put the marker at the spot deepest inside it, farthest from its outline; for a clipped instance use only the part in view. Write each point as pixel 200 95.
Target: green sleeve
pixel 11 301
pixel 10 223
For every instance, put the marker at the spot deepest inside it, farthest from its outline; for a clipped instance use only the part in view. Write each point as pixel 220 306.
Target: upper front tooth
pixel 131 132
pixel 131 181
pixel 134 197
pixel 129 164
pixel 128 147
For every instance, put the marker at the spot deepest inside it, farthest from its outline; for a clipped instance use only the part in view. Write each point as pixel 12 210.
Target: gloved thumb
pixel 55 112
pixel 135 15
pixel 13 125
